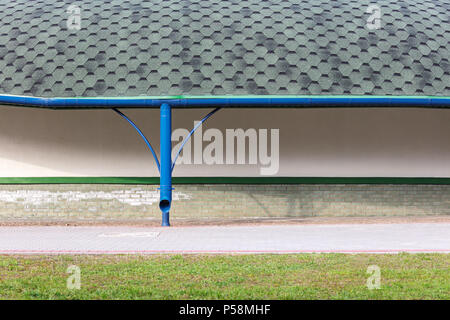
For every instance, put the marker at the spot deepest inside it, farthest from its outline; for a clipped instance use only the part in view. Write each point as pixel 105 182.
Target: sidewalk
pixel 349 238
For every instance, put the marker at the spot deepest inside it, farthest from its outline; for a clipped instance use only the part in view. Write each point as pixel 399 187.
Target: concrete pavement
pixel 351 238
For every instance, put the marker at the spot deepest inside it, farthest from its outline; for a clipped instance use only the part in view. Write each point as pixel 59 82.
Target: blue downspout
pixel 165 183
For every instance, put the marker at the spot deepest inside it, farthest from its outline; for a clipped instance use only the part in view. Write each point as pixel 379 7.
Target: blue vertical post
pixel 165 183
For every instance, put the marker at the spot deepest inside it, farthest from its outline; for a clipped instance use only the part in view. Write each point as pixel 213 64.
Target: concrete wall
pixel 313 142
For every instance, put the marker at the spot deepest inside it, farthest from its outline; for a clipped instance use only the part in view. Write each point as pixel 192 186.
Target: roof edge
pixel 261 101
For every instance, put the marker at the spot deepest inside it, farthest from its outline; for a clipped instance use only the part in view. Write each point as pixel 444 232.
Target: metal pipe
pixel 230 101
pixel 142 135
pixel 165 183
pixel 190 134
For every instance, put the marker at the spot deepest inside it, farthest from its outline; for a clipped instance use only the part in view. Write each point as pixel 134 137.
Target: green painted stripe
pixel 225 180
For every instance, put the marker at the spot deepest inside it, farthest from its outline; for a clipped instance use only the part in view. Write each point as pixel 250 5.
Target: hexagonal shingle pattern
pixel 218 47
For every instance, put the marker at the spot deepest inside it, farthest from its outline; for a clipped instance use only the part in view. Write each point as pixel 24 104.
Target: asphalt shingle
pixel 236 47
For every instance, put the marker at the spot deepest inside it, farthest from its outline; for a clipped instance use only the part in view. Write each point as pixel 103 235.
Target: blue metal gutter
pixel 229 101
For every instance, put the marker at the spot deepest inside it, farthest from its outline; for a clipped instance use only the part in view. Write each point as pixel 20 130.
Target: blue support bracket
pixel 192 132
pixel 166 165
pixel 142 136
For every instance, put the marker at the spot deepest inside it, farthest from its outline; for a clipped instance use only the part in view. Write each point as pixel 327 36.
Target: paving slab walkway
pixel 348 238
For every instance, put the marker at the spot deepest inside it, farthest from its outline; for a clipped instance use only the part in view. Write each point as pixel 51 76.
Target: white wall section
pixel 313 142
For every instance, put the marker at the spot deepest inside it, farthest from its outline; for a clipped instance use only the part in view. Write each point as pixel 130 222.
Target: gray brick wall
pixel 122 202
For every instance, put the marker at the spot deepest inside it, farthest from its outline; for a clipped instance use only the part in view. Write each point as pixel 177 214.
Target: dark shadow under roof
pixel 217 47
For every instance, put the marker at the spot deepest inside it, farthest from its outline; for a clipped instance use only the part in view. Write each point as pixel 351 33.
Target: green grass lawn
pixel 301 276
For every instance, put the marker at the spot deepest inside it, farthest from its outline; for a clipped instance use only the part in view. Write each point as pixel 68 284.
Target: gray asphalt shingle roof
pixel 217 47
